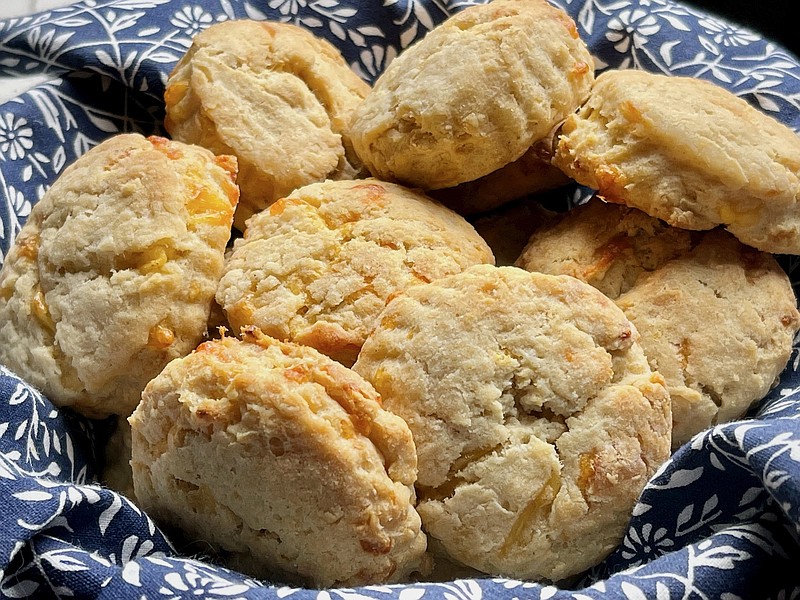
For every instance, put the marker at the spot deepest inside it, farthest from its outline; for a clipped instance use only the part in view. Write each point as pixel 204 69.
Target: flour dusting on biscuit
pixel 536 417
pixel 284 460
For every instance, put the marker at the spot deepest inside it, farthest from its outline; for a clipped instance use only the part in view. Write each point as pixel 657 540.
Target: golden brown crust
pixel 529 174
pixel 473 95
pixel 688 152
pixel 284 459
pixel 271 94
pixel 318 266
pixel 536 418
pixel 115 270
pixel 717 318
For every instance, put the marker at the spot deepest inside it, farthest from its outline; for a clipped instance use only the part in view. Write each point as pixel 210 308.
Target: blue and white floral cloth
pixel 720 520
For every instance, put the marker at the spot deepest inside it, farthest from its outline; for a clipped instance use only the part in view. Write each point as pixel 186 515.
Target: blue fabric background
pixel 720 520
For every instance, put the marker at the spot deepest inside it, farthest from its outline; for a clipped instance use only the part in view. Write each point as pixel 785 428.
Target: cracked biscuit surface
pixel 282 458
pixel 318 266
pixel 114 272
pixel 688 152
pixel 536 417
pixel 716 317
pixel 473 95
pixel 273 95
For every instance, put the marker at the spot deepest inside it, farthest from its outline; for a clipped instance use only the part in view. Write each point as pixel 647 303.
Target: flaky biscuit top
pixel 536 417
pixel 473 95
pixel 113 274
pixel 688 152
pixel 606 245
pixel 318 266
pixel 717 318
pixel 273 95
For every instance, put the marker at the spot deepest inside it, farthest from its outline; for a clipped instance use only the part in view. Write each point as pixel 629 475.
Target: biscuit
pixel 717 317
pixel 114 272
pixel 529 174
pixel 273 95
pixel 536 417
pixel 606 245
pixel 473 95
pixel 284 459
pixel 688 152
pixel 318 266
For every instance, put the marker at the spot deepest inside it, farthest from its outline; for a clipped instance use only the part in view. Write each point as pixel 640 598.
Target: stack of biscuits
pixel 323 371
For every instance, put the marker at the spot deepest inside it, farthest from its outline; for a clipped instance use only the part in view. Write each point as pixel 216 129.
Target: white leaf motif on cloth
pixel 411 593
pixel 64 561
pixel 722 557
pixel 463 589
pixel 681 478
pixel 22 589
pixel 632 592
pixel 130 573
pixel 33 496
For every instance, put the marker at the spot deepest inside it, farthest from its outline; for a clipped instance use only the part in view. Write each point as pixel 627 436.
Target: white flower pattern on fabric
pixel 20 205
pixel 287 7
pixel 646 544
pixel 373 61
pixel 195 580
pixel 631 28
pixel 727 35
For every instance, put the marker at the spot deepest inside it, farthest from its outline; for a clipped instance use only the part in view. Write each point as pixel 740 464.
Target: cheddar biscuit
pixel 718 323
pixel 318 266
pixel 273 95
pixel 282 458
pixel 717 317
pixel 536 417
pixel 114 272
pixel 473 95
pixel 606 245
pixel 688 152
